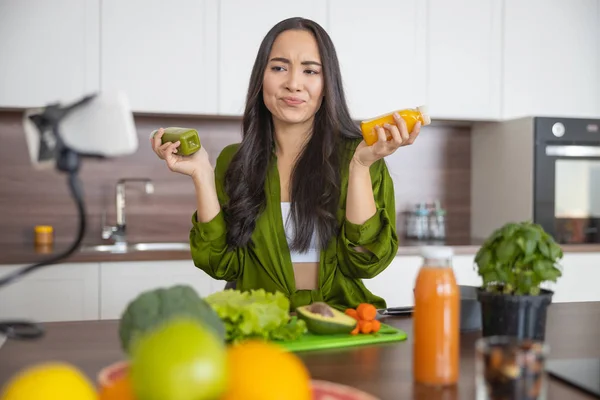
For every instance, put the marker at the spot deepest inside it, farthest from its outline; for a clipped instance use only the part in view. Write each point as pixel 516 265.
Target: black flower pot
pixel 523 317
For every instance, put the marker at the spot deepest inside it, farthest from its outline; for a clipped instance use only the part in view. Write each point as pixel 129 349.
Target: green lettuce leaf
pixel 255 314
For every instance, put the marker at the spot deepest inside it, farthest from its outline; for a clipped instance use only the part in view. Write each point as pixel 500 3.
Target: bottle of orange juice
pixel 436 319
pixel 409 115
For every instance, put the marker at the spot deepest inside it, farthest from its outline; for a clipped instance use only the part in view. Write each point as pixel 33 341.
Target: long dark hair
pixel 318 165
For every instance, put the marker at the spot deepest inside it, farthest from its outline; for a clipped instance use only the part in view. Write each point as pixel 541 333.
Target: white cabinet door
pixel 49 51
pixel 162 54
pixel 240 36
pixel 382 49
pixel 579 282
pixel 464 59
pixel 62 292
pixel 121 282
pixel 551 65
pixel 465 270
pixel 395 284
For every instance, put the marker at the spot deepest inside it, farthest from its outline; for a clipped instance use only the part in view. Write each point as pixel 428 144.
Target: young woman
pixel 302 205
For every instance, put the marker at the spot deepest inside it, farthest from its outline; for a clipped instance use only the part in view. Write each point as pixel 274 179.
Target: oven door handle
pixel 573 151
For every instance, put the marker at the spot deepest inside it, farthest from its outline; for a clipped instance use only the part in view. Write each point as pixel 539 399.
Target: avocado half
pixel 321 319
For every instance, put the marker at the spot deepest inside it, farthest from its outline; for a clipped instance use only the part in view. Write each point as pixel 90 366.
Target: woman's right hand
pixel 193 165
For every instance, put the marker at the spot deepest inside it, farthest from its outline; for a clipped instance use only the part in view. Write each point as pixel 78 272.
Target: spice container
pixel 43 235
pixel 417 222
pixel 43 238
pixel 437 222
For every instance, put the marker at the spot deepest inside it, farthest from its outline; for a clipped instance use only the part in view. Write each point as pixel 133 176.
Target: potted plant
pixel 513 263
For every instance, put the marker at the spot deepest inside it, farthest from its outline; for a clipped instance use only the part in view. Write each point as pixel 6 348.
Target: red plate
pixel 323 390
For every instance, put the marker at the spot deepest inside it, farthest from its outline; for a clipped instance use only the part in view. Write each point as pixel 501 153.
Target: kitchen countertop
pixel 384 370
pixel 11 253
pixel 26 253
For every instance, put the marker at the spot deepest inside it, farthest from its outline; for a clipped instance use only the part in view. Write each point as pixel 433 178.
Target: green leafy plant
pixel 517 258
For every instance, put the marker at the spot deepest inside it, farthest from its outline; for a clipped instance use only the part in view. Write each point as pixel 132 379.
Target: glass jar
pixel 510 368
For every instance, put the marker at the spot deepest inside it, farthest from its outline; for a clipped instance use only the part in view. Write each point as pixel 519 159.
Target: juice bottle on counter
pixel 410 116
pixel 436 319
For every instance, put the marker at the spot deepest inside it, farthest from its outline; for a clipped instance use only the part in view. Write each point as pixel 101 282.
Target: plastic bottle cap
pixel 437 252
pixel 424 110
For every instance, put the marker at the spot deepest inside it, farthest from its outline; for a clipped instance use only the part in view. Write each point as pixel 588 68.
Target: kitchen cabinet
pixel 162 54
pixel 579 282
pixel 382 49
pixel 240 38
pixel 62 292
pixel 464 59
pixel 551 64
pixel 50 51
pixel 581 274
pixel 91 291
pixel 395 284
pixel 121 282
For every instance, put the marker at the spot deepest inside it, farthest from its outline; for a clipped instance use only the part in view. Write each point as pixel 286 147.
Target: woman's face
pixel 293 79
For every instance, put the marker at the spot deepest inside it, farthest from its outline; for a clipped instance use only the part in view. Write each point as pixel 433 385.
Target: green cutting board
pixel 311 341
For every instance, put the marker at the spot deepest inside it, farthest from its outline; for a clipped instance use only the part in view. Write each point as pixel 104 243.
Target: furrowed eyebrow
pixel 285 60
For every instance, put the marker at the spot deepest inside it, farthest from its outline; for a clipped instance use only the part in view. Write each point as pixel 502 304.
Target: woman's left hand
pixel 367 155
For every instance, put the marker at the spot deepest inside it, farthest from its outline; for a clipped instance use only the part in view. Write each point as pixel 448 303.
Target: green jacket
pixel 268 265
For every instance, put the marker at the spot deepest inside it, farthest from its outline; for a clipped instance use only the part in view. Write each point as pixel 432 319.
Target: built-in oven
pixel 542 169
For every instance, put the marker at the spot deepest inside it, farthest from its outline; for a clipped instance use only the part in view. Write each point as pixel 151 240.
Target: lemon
pixel 49 381
pixel 181 359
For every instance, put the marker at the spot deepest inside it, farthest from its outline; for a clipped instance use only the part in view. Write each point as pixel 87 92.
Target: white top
pixel 313 254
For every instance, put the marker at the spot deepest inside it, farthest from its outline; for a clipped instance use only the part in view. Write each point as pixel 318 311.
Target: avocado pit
pixel 321 309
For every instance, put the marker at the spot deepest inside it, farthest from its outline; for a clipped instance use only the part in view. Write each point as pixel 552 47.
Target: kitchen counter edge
pixel 11 254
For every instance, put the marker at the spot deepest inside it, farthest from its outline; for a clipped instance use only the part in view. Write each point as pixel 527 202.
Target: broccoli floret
pixel 156 306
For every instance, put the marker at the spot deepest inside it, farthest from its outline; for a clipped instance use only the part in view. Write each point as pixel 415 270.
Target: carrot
pixel 366 311
pixel 351 312
pixel 376 325
pixel 355 331
pixel 365 326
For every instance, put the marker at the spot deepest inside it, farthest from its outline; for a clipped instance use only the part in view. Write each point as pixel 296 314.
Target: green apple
pixel 179 360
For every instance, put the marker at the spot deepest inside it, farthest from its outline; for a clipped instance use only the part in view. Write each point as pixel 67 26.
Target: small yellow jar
pixel 44 235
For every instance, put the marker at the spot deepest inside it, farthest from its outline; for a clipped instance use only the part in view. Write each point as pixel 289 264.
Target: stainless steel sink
pixel 133 247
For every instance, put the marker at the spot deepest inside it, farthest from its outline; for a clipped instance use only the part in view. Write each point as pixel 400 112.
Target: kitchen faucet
pixel 117 232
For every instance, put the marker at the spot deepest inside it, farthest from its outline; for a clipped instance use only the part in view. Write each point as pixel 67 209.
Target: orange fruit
pixel 265 371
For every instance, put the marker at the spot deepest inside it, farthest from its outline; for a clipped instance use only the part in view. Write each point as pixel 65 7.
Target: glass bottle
pixel 436 319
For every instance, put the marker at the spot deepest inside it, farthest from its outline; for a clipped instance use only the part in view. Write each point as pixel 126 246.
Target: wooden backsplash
pixel 437 166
